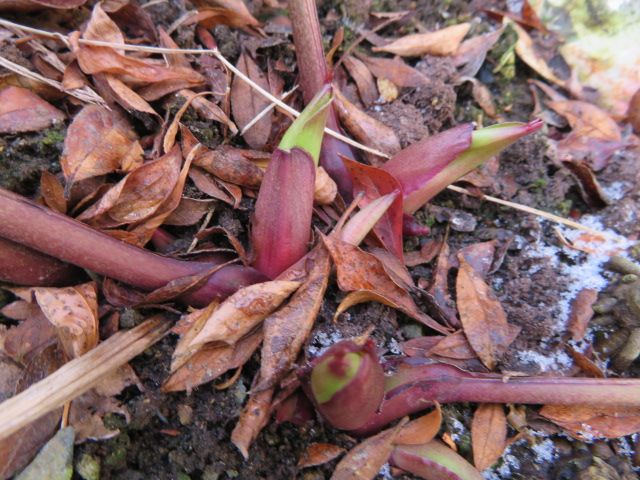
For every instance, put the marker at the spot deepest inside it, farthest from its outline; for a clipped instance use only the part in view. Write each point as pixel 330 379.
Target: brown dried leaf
pixel 439 289
pixel 210 362
pixel 442 42
pixel 286 330
pixel 232 165
pixel 426 254
pixel 586 422
pixel 488 434
pixel 116 89
pixel 581 312
pixel 365 275
pixel 325 189
pixel 29 337
pixel 206 184
pixel 53 192
pixel 480 256
pixel 633 111
pixel 363 78
pixel 319 454
pixel 189 212
pixel 233 13
pixel 454 346
pixel 527 52
pixel 587 120
pixel 588 184
pixel 395 70
pixel 247 103
pixel 99 141
pixel 209 110
pixel 364 461
pixel 472 53
pixel 364 128
pixel 483 318
pixel 137 196
pixel 21 110
pixel 254 417
pixel 422 429
pixel 74 312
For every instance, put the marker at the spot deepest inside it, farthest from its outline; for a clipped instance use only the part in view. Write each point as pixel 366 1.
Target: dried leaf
pixel 209 110
pixel 454 346
pixel 433 461
pixel 232 165
pixel 586 422
pixel 363 78
pixel 286 330
pixel 53 192
pixel 189 212
pixel 439 288
pixel 233 13
pixel 254 417
pixel 588 184
pixel 395 70
pixel 74 312
pixel 441 42
pixel 527 52
pixel 54 461
pixel 122 94
pixel 364 274
pixel 365 460
pixel 488 434
pixel 581 312
pixel 483 318
pixel 206 184
pixel 325 189
pixel 479 256
pixel 21 110
pixel 99 141
pixel 29 337
pixel 472 53
pixel 138 196
pixel 587 119
pixel 364 128
pixel 319 454
pixel 421 430
pixel 247 103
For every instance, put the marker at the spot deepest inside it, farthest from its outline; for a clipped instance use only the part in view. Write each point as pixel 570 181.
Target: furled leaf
pixel 325 189
pixel 586 422
pixel 54 461
pixel 319 454
pixel 395 70
pixel 488 434
pixel 246 103
pixel 433 461
pixel 99 141
pixel 483 318
pixel 441 42
pixel 366 129
pixel 421 430
pixel 74 312
pixel 21 110
pixel 361 223
pixel 364 461
pixel 364 274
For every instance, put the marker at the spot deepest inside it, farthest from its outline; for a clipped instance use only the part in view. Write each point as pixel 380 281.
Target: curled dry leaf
pixel 527 52
pixel 21 110
pixel 364 461
pixel 319 454
pixel 246 103
pixel 207 184
pixel 286 330
pixel 231 165
pixel 242 311
pixel 442 42
pixel 439 288
pixel 29 337
pixel 137 196
pixel 590 189
pixel 454 346
pixel 99 141
pixel 118 92
pixel 483 318
pixel 74 312
pixel 395 70
pixel 189 212
pixel 209 110
pixel 254 417
pixel 364 128
pixel 53 192
pixel 365 275
pixel 421 430
pixel 233 13
pixel 325 189
pixel 587 119
pixel 363 78
pixel 472 53
pixel 488 434
pixel 586 422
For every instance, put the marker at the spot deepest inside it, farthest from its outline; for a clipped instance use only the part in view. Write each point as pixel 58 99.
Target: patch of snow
pixel 559 361
pixel 394 347
pixel 459 429
pixel 510 464
pixel 616 190
pixel 385 472
pixel 545 451
pixel 323 340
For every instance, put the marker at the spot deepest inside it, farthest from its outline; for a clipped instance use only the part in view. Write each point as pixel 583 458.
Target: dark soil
pixel 179 436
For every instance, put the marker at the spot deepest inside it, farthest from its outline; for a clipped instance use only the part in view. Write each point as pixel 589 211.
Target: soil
pixel 180 436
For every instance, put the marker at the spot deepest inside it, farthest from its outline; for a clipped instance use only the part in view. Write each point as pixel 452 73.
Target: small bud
pixel 347 384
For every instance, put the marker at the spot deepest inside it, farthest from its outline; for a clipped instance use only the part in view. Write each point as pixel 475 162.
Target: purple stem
pixel 314 74
pixel 68 240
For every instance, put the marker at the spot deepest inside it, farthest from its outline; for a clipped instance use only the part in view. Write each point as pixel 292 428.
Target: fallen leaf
pixel 138 196
pixel 99 141
pixel 439 288
pixel 480 256
pixel 232 165
pixel 483 318
pixel 587 119
pixel 426 254
pixel 319 454
pixel 395 70
pixel 454 346
pixel 53 192
pixel 364 461
pixel 233 13
pixel 421 430
pixel 586 422
pixel 189 212
pixel 21 110
pixel 388 90
pixel 582 312
pixel 472 52
pixel 28 338
pixel 110 86
pixel 364 275
pixel 325 188
pixel 482 95
pixel 527 52
pixel 54 461
pixel 488 434
pixel 633 111
pixel 74 312
pixel 286 330
pixel 209 110
pixel 585 364
pixel 442 42
pixel 363 78
pixel 588 184
pixel 254 417
pixel 364 128
pixel 206 184
pixel 246 103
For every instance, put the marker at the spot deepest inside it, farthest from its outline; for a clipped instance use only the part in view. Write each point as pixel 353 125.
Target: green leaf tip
pixel 333 374
pixel 307 130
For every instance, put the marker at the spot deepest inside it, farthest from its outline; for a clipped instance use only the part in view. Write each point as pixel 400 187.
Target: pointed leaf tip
pixel 307 130
pixel 363 221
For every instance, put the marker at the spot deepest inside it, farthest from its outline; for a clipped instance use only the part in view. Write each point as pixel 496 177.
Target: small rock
pixel 605 305
pixel 88 467
pixel 185 414
pixel 629 278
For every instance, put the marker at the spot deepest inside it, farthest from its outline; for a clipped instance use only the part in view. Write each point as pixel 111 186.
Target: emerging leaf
pixel 433 461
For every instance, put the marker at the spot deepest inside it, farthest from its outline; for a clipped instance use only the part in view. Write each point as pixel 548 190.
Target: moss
pixel 117 456
pixel 88 467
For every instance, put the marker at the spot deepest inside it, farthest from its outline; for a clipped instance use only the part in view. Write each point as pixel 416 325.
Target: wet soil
pixel 180 436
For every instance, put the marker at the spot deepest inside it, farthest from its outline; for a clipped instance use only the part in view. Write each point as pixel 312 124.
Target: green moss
pixel 117 456
pixel 88 467
pixel 564 207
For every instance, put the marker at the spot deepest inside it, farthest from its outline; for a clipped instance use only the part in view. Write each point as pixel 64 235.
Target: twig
pixel 79 375
pixel 266 110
